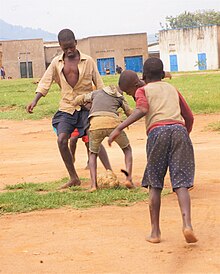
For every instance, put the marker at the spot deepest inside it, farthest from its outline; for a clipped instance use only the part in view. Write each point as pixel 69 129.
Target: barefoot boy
pixel 103 119
pixel 169 121
pixel 75 73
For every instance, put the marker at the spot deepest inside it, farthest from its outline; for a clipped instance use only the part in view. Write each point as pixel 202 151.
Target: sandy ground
pixel 108 239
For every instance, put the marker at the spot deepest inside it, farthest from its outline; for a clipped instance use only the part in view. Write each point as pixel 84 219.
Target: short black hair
pixel 153 69
pixel 127 78
pixel 66 35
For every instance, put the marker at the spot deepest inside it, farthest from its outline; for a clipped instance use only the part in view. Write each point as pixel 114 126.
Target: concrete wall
pixel 0 54
pixel 16 51
pixel 41 54
pixel 51 50
pixel 187 44
pixel 218 42
pixel 119 46
pixel 84 46
pixel 0 58
pixel 153 50
pixel 111 46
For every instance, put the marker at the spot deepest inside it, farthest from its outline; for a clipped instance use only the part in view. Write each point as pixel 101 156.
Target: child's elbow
pixel 143 110
pixel 128 113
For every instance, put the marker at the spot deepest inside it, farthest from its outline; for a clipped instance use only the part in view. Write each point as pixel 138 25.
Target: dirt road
pixel 108 239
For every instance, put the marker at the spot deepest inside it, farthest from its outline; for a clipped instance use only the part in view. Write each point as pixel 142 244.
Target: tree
pixel 193 19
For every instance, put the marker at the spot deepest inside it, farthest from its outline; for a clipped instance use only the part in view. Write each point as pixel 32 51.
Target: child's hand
pixel 79 100
pixel 115 133
pixel 88 105
pixel 30 107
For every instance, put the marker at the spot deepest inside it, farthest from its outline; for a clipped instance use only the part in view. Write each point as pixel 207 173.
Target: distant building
pixel 154 50
pixel 190 49
pixel 22 58
pixel 30 58
pixel 51 49
pixel 129 51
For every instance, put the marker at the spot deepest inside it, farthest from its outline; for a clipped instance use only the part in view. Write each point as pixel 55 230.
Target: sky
pixel 88 18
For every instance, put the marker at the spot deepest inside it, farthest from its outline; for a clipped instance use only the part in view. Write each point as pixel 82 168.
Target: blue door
pixel 173 63
pixel 202 61
pixel 134 63
pixel 106 66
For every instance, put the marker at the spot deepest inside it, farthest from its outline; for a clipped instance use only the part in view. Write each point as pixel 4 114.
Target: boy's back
pixel 106 102
pixel 168 142
pixel 104 109
pixel 163 100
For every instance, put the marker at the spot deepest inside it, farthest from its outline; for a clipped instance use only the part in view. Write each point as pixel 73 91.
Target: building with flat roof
pixel 190 49
pixel 128 51
pixel 22 58
pixel 30 58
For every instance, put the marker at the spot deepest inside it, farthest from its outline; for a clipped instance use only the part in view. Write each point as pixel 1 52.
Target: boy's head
pixel 153 70
pixel 129 82
pixel 66 35
pixel 67 42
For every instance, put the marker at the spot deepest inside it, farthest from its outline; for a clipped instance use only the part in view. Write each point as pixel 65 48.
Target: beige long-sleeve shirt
pixel 88 75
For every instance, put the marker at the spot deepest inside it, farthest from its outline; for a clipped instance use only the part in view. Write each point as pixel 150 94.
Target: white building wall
pixel 187 44
pixel 153 48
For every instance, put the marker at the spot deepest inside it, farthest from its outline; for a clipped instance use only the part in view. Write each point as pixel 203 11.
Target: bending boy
pixel 169 121
pixel 103 119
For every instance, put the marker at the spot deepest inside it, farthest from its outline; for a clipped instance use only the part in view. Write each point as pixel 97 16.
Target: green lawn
pixel 200 90
pixel 32 196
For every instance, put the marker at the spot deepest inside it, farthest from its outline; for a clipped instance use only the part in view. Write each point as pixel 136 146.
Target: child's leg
pixel 128 161
pixel 87 148
pixel 85 139
pixel 184 203
pixel 154 208
pixel 73 142
pixel 123 142
pixel 185 207
pixel 128 164
pixel 103 156
pixel 93 170
pixel 67 158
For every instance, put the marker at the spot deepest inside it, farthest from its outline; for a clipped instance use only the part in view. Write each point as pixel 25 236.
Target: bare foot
pixel 129 184
pixel 153 240
pixel 92 189
pixel 189 235
pixel 70 183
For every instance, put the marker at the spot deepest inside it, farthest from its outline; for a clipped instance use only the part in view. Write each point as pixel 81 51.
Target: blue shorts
pixel 64 122
pixel 169 146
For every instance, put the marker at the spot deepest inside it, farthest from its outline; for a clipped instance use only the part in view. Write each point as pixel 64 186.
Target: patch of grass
pixel 201 91
pixel 16 94
pixel 110 79
pixel 30 196
pixel 33 187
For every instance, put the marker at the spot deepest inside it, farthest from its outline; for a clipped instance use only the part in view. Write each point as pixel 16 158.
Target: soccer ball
pixel 107 180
